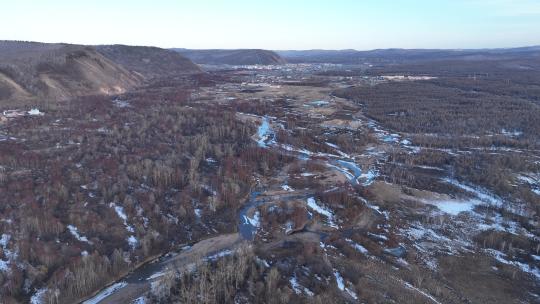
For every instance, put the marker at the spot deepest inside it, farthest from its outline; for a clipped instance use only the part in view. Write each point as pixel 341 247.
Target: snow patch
pixel 482 194
pixel 409 286
pixel 369 177
pixel 501 257
pixel 299 289
pixel 255 221
pixel 312 204
pixel 218 255
pixel 37 298
pixel 453 207
pixel 357 246
pixel 287 188
pixel 265 134
pixel 73 230
pixel 341 285
pixel 140 300
pixel 35 112
pixel 121 103
pixel 122 215
pixel 4 265
pixel 105 293
pixel 132 241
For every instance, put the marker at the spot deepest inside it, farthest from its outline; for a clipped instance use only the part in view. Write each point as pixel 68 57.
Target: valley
pixel 305 182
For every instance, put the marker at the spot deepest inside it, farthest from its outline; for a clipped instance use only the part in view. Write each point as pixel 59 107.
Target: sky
pixel 276 24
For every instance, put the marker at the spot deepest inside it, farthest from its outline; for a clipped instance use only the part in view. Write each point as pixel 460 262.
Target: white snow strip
pixel 321 210
pixel 288 227
pixel 369 177
pixel 341 285
pixel 156 275
pixel 332 145
pixel 299 289
pixel 287 188
pixel 347 174
pixel 453 207
pixel 132 241
pixel 480 193
pixel 121 103
pixel 501 257
pixel 255 221
pixel 357 246
pixel 35 112
pixel 378 236
pixel 140 300
pixel 122 215
pixel 4 266
pixel 408 285
pixel 218 255
pixel 352 293
pixel 339 280
pixel 105 293
pixel 74 231
pixel 37 298
pixel 264 133
pixel 4 240
pixel 312 204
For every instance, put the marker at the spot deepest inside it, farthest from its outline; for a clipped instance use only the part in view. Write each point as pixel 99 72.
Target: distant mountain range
pixel 399 55
pixel 233 57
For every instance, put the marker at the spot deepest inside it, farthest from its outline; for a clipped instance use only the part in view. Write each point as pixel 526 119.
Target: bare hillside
pixel 149 62
pixel 30 70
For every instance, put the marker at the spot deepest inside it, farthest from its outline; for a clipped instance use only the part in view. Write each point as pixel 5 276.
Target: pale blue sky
pixel 276 24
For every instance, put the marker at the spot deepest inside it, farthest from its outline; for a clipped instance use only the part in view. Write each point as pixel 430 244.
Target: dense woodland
pixel 478 120
pixel 151 156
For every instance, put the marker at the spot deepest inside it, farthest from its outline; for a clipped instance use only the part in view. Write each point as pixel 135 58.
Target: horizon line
pixel 291 49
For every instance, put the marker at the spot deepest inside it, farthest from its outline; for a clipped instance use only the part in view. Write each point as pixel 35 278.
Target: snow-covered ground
pixel 368 177
pixel 534 270
pixel 481 194
pixel 9 254
pixel 312 204
pixel 35 112
pixel 341 285
pixel 287 188
pixel 218 255
pixel 265 134
pixel 425 294
pixel 532 180
pixel 37 297
pixel 75 232
pixel 105 293
pixel 299 289
pixel 358 247
pixel 121 103
pixel 453 207
pixel 131 240
pixel 255 221
pixel 140 300
pixel 122 215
